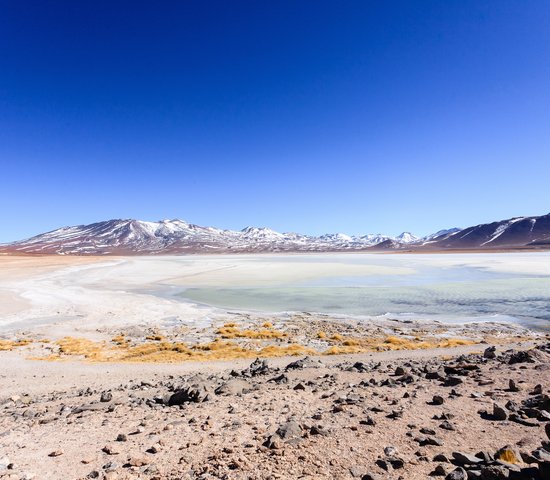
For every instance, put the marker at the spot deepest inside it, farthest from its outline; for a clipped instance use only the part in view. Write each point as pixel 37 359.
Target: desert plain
pixel 109 369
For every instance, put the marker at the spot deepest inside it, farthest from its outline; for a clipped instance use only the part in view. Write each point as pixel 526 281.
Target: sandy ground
pixel 369 416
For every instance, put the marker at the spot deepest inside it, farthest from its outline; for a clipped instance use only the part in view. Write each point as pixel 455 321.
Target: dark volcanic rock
pixel 257 367
pixel 457 474
pixel 490 352
pixel 305 362
pixel 524 356
pixel 233 387
pixel 289 432
pixel 452 381
pixel 465 458
pixel 499 413
pixel 106 397
pixel 197 393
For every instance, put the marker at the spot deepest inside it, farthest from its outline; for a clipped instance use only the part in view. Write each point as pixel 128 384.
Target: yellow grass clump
pixel 322 335
pixel 8 345
pixel 455 342
pixel 344 349
pixel 120 340
pixel 82 347
pixel 289 350
pixel 265 334
pixel 156 337
pixel 507 455
pixel 222 348
pixel 155 352
pixel 216 350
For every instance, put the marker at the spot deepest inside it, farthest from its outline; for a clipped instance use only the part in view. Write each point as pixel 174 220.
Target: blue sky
pixel 310 116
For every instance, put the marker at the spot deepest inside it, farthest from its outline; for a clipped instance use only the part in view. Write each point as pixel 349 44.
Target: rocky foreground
pixel 483 415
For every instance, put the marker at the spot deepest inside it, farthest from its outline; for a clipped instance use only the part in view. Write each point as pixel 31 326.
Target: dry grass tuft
pixel 8 345
pixel 120 340
pixel 156 337
pixel 82 347
pixel 157 348
pixel 341 350
pixel 265 334
pixel 289 350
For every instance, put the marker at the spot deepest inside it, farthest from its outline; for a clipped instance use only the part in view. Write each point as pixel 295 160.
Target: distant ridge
pixel 136 237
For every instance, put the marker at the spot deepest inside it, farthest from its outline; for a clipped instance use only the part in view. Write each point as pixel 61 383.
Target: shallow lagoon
pixel 465 287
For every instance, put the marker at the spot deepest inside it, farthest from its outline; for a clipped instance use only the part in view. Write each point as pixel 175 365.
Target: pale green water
pixel 464 288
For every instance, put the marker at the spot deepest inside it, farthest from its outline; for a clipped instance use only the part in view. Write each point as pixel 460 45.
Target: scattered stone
pixel 499 413
pixel 357 471
pixel 106 397
pixel 446 425
pixel 438 400
pixel 371 422
pixel 111 450
pixel 306 362
pixel 56 453
pixel 280 379
pixel 490 352
pixel 452 381
pixel 390 462
pixel 110 466
pixel 395 414
pixel 138 461
pixel 494 472
pixel 537 390
pixel 233 387
pixel 257 367
pixel 318 430
pixel 400 371
pixel 439 471
pixel 197 393
pixel 156 448
pixel 289 432
pixel 457 474
pixel 525 356
pixel 512 386
pixel 465 458
pixel 390 451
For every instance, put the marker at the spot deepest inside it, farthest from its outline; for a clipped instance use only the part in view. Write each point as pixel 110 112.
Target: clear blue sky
pixel 310 116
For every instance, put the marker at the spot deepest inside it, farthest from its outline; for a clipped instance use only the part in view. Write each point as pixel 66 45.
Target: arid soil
pixel 101 379
pixel 393 415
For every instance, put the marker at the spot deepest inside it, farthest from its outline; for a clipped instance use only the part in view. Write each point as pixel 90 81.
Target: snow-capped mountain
pixel 125 237
pixel 439 234
pixel 406 237
pixel 136 237
pixel 514 232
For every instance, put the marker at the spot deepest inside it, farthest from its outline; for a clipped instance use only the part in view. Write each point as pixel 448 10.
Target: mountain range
pixel 136 237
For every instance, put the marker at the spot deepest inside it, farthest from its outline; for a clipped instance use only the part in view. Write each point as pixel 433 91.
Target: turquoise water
pixel 457 292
